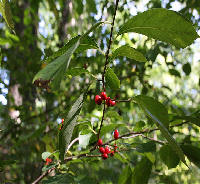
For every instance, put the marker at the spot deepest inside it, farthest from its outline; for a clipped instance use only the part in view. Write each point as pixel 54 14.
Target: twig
pixel 109 44
pixel 104 110
pixel 131 135
pixel 43 175
pixel 124 100
pixel 159 142
pixel 70 145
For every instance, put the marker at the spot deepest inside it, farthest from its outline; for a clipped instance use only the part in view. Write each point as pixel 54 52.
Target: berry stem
pixel 104 110
pixel 109 44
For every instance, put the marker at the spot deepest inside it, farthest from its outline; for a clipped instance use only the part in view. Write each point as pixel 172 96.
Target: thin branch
pixel 70 145
pixel 157 141
pixel 104 110
pixel 124 100
pixel 109 44
pixel 43 175
pixel 124 136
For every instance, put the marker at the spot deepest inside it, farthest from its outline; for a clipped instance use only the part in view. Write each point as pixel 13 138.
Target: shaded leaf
pixel 112 79
pixel 125 175
pixel 146 147
pixel 70 122
pixel 174 72
pixel 193 153
pixel 192 119
pixel 142 172
pixel 157 112
pixel 169 157
pixel 161 24
pixel 187 68
pixel 129 52
pixel 154 107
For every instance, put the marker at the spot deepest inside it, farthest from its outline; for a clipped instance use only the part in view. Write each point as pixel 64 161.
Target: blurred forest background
pixel 29 116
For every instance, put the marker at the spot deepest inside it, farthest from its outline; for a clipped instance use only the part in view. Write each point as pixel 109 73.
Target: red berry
pixel 104 156
pixel 98 100
pixel 108 101
pixel 116 134
pixel 112 153
pixel 103 96
pixel 107 150
pixel 62 121
pixel 112 103
pixel 48 160
pixel 100 142
pixel 101 150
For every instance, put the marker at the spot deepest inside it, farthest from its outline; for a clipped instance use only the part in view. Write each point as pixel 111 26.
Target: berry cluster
pixel 106 151
pixel 48 160
pixel 99 99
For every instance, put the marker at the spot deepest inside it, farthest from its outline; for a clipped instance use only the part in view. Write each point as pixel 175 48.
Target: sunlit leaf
pixel 129 52
pixel 112 79
pixel 161 24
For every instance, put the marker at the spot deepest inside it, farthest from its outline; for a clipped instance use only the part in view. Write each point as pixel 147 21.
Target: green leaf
pixel 129 52
pixel 87 42
pixel 94 27
pixel 174 72
pixel 161 24
pixel 125 175
pixel 169 157
pixel 193 153
pixel 142 172
pixel 111 79
pixel 76 71
pixel 157 112
pixel 187 68
pixel 146 147
pixel 45 155
pixel 70 122
pixel 55 70
pixel 6 13
pixel 154 107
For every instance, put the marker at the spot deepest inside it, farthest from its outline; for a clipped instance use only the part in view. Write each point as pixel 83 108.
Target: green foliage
pixel 6 13
pixel 146 147
pixel 56 69
pixel 129 52
pixel 70 122
pixel 157 112
pixel 192 152
pixel 111 79
pixel 142 172
pixel 169 157
pixel 161 24
pixel 30 110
